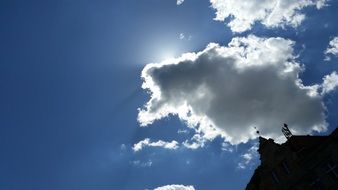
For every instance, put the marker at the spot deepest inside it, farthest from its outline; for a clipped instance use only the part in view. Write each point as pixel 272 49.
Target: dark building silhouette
pixel 302 162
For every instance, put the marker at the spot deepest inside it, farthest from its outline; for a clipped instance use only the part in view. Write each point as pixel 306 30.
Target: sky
pixel 158 94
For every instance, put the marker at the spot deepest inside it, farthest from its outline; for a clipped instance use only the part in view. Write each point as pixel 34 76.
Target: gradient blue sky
pixel 70 89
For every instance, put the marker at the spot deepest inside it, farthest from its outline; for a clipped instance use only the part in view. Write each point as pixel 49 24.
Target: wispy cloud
pixel 175 187
pixel 139 163
pixel 182 36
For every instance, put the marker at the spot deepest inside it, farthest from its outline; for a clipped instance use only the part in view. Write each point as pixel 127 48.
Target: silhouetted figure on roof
pixel 286 131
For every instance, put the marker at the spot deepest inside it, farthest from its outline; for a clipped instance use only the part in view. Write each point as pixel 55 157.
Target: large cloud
pixel 175 187
pixel 271 13
pixel 227 91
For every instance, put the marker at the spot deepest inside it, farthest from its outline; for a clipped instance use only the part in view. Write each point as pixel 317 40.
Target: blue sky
pixel 70 80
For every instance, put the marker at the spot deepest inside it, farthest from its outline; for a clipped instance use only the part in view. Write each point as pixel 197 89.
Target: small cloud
pixel 182 131
pixel 147 143
pixel 193 145
pixel 197 142
pixel 227 147
pixel 330 83
pixel 179 2
pixel 123 147
pixel 332 49
pixel 182 36
pixel 138 163
pixel 248 157
pixel 175 187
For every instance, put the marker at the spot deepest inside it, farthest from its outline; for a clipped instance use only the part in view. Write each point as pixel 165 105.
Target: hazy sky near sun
pixel 158 94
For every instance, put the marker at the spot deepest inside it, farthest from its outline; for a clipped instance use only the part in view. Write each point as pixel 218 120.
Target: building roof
pixel 300 144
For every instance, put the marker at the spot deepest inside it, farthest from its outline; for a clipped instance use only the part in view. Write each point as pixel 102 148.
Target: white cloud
pixel 332 49
pixel 271 13
pixel 197 141
pixel 330 83
pixel 146 142
pixel 227 91
pixel 247 157
pixel 179 2
pixel 227 147
pixel 175 187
